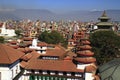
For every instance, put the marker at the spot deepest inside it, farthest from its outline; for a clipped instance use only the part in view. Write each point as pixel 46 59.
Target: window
pixel 32 71
pixel 68 74
pixel 17 69
pixel 44 72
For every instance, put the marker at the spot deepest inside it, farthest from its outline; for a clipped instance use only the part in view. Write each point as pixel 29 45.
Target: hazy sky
pixel 61 5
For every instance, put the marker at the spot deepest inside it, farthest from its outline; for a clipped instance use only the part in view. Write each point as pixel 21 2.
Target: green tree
pixel 53 37
pixel 106 45
pixel 18 32
pixel 2 39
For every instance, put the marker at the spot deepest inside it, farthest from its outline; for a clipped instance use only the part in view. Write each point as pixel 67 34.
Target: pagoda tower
pixel 104 23
pixel 85 59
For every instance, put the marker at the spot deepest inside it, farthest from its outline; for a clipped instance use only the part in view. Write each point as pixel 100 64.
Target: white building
pixel 9 63
pixel 39 47
pixel 6 32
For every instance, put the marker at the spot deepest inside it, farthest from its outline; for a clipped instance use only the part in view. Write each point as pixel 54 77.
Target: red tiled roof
pixel 86 42
pixel 55 52
pixel 27 39
pixel 85 53
pixel 23 64
pixel 14 46
pixel 8 55
pixel 35 55
pixel 42 44
pixel 26 49
pixel 27 57
pixel 85 60
pixel 53 65
pixel 13 42
pixel 27 42
pixel 77 36
pixel 85 47
pixel 67 58
pixel 21 49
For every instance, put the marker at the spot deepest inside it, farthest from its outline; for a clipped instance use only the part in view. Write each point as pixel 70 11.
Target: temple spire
pixel 104 14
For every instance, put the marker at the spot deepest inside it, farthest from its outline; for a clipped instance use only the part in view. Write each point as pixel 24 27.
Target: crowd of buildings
pixel 26 58
pixel 32 28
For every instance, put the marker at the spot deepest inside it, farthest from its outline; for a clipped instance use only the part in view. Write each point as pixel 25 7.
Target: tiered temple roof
pixel 104 23
pixel 84 54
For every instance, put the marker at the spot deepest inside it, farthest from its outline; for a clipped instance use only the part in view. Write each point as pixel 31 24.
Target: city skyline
pixel 61 6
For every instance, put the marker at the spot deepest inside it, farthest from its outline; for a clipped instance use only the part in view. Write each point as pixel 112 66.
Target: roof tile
pixel 8 55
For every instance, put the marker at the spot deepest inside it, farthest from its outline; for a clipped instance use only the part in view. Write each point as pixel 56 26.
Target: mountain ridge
pixel 44 14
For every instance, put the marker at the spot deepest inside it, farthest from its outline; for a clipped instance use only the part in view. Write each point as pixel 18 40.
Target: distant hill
pixel 42 14
pixel 32 14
